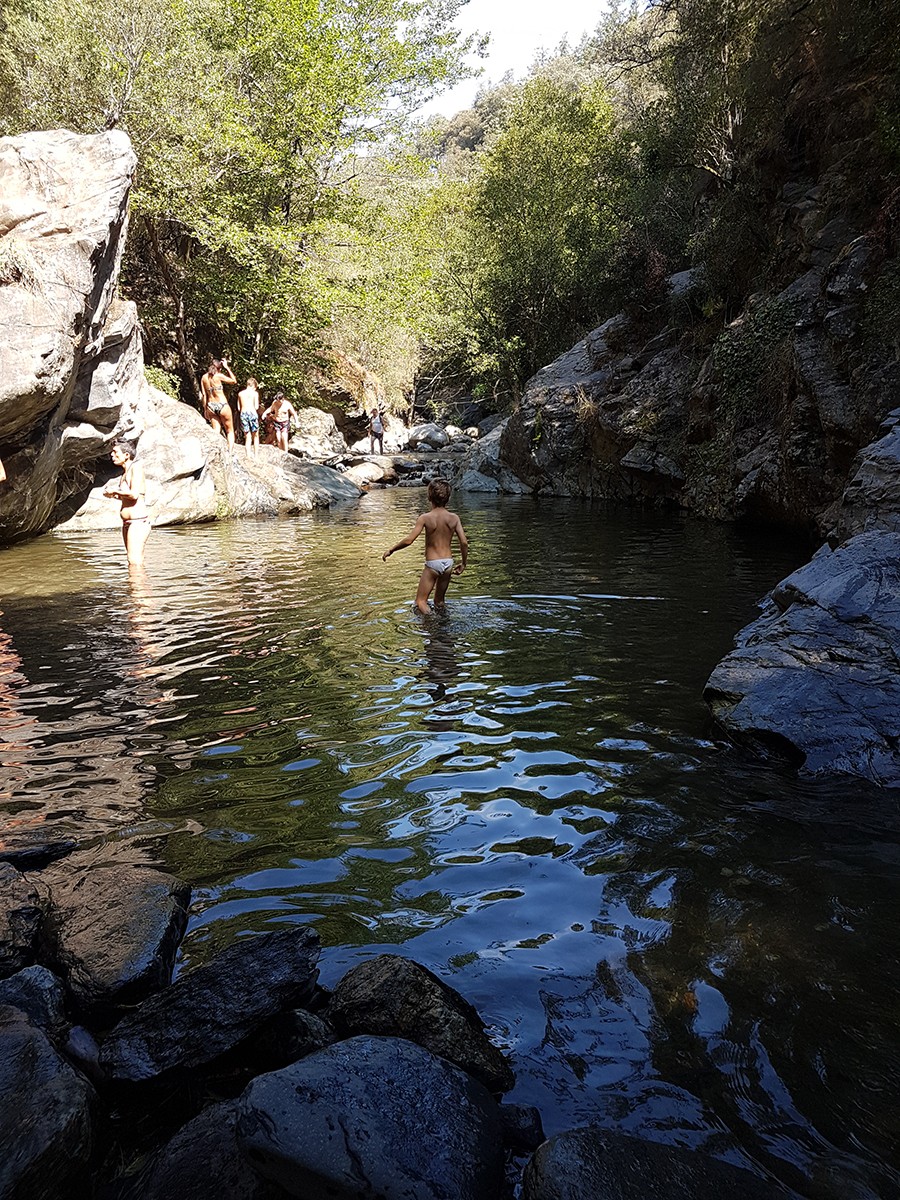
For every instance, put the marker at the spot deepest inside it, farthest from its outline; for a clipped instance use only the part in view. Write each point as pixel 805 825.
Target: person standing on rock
pixel 440 526
pixel 281 410
pixel 376 431
pixel 248 407
pixel 130 489
pixel 216 408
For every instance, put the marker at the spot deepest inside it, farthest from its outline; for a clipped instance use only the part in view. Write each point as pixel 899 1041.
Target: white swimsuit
pixel 440 566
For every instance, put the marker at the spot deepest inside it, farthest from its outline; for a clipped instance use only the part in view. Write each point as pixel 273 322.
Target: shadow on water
pixel 521 793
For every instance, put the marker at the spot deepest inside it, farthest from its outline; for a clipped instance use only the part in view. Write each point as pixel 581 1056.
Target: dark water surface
pixel 523 796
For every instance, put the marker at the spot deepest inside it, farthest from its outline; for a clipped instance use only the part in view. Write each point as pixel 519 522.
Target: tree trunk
pixel 188 367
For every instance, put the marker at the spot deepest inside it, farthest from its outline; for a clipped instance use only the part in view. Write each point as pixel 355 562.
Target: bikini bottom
pixel 440 566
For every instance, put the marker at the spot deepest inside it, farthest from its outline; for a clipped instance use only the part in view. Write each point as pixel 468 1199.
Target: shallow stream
pixel 523 795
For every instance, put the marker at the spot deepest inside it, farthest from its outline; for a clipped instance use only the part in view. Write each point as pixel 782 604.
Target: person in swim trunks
pixel 216 408
pixel 248 408
pixel 130 489
pixel 440 526
pixel 281 410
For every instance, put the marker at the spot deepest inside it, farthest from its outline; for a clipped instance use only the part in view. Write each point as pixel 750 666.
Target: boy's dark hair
pixel 439 492
pixel 125 446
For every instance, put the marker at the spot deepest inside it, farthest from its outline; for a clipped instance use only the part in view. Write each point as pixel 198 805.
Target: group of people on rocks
pixel 274 420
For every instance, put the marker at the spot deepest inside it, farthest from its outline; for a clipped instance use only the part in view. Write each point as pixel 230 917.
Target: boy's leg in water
pixel 440 589
pixel 426 583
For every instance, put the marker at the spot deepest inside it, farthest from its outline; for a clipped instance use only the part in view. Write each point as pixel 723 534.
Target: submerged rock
pixel 373 1117
pixel 209 1011
pixel 20 919
pixel 45 1115
pixel 596 1164
pixel 113 930
pixel 816 679
pixel 396 997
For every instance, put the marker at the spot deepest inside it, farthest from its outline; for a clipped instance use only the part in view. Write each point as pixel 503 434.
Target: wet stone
pixel 204 1162
pixel 594 1163
pixel 20 918
pixel 208 1012
pixel 37 993
pixel 396 997
pixel 113 931
pixel 45 1123
pixel 373 1117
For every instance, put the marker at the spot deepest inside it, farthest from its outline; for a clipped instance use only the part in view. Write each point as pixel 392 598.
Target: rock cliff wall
pixel 71 362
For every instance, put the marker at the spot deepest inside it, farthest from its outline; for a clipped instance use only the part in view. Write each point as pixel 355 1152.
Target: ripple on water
pixel 520 794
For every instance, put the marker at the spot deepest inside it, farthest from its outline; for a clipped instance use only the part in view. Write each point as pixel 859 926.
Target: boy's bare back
pixel 440 526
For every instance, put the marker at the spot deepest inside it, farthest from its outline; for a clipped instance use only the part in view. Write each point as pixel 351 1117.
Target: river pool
pixel 524 795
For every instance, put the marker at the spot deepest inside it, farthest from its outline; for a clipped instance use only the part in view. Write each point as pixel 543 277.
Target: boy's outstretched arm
pixel 463 548
pixel 407 541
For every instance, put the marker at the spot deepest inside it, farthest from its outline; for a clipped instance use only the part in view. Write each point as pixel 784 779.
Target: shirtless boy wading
pixel 440 525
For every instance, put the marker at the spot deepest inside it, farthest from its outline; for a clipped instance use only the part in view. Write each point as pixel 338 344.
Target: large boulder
pixel 815 679
pixel 45 1116
pixel 191 476
pixel 396 997
pixel 113 930
pixel 317 435
pixel 483 469
pixel 428 434
pixel 20 919
pixel 373 1117
pixel 63 204
pixel 211 1010
pixel 601 1165
pixel 37 993
pixel 204 1162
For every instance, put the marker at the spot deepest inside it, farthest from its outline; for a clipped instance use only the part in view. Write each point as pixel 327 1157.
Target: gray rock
pixel 37 993
pixel 871 499
pixel 45 1118
pixel 20 919
pixel 396 997
pixel 203 1162
pixel 113 930
pixel 483 469
pixel 63 203
pixel 593 1164
pixel 815 679
pixel 364 473
pixel 317 435
pixel 373 1117
pixel 428 435
pixel 211 1010
pixel 522 1126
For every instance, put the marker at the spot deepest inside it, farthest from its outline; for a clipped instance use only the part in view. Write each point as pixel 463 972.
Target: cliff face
pixel 762 416
pixel 64 350
pixel 72 369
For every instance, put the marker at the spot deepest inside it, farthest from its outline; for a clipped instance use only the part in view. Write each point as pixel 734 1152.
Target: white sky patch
pixel 518 32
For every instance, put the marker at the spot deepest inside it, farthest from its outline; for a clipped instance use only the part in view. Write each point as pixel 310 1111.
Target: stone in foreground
pixel 592 1164
pixel 20 918
pixel 816 678
pixel 45 1126
pixel 210 1011
pixel 373 1117
pixel 37 993
pixel 203 1162
pixel 114 930
pixel 395 997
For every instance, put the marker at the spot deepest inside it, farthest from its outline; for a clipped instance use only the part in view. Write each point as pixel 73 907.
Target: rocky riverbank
pixel 244 1078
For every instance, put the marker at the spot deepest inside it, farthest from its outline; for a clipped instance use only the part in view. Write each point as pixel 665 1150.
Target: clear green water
pixel 523 796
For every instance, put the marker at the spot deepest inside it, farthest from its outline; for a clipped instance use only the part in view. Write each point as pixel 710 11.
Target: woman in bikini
pixel 129 489
pixel 216 408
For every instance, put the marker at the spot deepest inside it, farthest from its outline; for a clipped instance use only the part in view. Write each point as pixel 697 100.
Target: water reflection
pixel 522 795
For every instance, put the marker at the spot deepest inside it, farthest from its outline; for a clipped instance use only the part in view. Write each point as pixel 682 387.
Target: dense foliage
pixel 250 225
pixel 288 202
